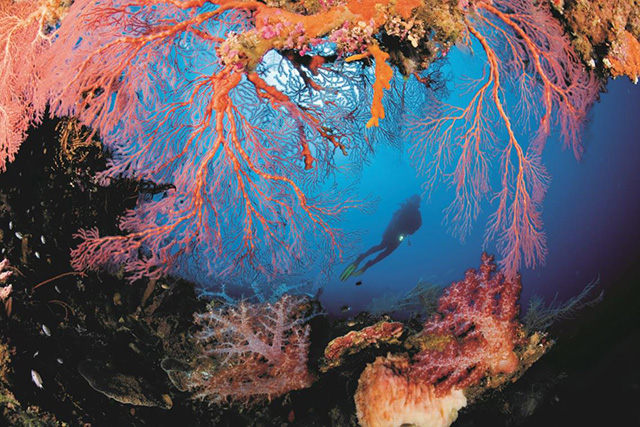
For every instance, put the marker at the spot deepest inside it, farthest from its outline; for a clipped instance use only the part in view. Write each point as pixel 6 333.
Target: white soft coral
pixel 255 350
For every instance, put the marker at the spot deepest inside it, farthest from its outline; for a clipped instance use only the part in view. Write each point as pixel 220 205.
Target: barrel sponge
pixel 388 397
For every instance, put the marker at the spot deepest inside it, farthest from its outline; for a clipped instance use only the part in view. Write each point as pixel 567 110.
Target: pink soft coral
pixel 256 351
pixel 477 319
pixel 473 336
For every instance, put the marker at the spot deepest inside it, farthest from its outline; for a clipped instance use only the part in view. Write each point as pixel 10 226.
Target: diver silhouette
pixel 405 221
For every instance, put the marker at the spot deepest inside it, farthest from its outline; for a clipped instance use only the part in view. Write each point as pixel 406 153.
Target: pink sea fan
pixel 527 53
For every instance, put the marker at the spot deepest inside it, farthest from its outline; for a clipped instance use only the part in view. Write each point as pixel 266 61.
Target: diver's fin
pixel 357 273
pixel 348 271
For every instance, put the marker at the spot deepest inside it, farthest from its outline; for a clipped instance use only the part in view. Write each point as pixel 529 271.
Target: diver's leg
pixel 370 251
pixel 351 268
pixel 382 255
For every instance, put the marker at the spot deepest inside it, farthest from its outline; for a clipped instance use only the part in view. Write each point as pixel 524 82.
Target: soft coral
pixel 478 319
pixel 254 351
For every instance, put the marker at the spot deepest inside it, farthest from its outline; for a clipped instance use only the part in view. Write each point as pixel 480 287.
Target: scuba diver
pixel 405 221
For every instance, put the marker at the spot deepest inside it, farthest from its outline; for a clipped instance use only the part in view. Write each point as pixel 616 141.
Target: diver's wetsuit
pixel 405 221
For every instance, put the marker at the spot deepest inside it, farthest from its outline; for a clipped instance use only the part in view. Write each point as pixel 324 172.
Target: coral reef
pixel 186 95
pixel 605 33
pixel 474 342
pixel 107 353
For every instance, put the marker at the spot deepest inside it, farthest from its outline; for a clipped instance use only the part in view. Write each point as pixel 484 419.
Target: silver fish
pixel 37 379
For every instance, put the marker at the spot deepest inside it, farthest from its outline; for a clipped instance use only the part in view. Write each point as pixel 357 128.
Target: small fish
pixel 19 235
pixel 59 360
pixel 359 283
pixel 345 308
pixel 46 330
pixel 36 354
pixel 57 289
pixel 10 225
pixel 37 379
pixel 43 240
pixel 37 254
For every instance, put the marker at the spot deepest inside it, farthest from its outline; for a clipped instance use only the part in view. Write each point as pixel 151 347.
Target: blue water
pixel 591 214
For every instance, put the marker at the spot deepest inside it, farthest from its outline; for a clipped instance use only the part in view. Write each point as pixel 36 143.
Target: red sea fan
pixel 240 155
pixel 24 36
pixel 256 351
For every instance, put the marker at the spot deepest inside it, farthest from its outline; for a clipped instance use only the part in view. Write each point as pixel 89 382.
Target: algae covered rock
pixel 122 388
